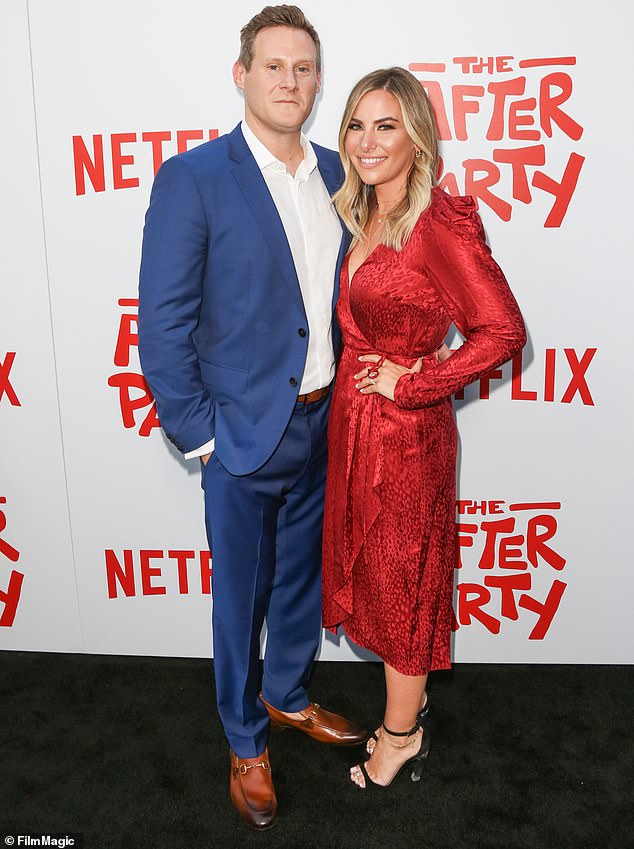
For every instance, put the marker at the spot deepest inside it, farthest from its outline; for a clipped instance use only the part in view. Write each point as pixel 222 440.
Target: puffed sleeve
pixel 476 296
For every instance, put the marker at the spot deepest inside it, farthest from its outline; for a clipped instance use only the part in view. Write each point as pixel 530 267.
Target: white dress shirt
pixel 313 232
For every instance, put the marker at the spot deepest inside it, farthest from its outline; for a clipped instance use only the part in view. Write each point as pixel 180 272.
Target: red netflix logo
pixel 563 378
pixel 503 546
pixel 136 401
pixel 7 390
pixel 147 572
pixel 524 108
pixel 9 597
pixel 113 163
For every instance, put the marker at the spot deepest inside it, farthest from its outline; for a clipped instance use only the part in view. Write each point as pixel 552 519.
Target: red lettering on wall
pixel 577 386
pixel 519 158
pixel 89 158
pixel 134 392
pixel 6 388
pixel 6 550
pixel 545 611
pixel 480 188
pixel 156 139
pixel 506 110
pixel 181 558
pixel 462 107
pixel 126 382
pixel 93 165
pixel 133 573
pixel 118 575
pixel 478 64
pixel 472 598
pixel 536 541
pixel 435 95
pixel 490 553
pixel 465 541
pixel 549 105
pixel 500 92
pixel 549 374
pixel 205 572
pixel 495 546
pixel 578 381
pixel 184 136
pixel 9 598
pixel 149 572
pixel 485 508
pixel 127 337
pixel 562 191
pixel 517 393
pixel 508 584
pixel 520 117
pixel 119 160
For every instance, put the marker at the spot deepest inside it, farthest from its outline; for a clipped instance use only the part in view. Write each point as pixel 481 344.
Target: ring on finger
pixel 374 373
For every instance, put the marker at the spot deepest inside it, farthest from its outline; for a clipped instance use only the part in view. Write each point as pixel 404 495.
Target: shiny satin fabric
pixel 389 528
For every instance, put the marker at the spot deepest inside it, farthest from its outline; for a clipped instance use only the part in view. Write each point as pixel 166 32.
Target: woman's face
pixel 378 144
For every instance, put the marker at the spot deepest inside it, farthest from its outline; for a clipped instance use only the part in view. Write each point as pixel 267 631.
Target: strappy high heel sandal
pixel 423 718
pixel 415 764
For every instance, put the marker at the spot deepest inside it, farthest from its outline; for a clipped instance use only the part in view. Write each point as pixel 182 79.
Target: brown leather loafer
pixel 252 792
pixel 320 724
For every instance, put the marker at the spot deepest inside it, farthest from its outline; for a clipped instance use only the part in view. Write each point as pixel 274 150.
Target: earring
pixel 418 154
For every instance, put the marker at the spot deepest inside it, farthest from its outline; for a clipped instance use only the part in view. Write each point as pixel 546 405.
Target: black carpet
pixel 129 752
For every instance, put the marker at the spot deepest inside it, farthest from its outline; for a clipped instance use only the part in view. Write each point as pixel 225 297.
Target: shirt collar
pixel 264 158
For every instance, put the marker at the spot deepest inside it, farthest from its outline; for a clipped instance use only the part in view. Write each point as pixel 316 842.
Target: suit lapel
pixel 256 194
pixel 331 176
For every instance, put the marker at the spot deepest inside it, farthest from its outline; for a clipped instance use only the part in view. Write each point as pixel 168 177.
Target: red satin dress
pixel 389 527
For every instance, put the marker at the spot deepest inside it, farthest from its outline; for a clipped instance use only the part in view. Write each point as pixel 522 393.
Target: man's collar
pixel 264 157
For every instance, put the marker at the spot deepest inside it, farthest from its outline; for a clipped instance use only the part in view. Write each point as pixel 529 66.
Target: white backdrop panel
pixel 38 598
pixel 120 85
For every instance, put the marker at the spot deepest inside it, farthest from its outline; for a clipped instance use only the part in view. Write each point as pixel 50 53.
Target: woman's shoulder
pixel 454 211
pixel 447 214
pixel 446 218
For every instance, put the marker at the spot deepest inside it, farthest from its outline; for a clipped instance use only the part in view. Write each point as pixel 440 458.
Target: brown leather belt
pixel 312 397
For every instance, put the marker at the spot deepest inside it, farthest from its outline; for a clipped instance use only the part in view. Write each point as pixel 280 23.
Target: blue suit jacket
pixel 223 333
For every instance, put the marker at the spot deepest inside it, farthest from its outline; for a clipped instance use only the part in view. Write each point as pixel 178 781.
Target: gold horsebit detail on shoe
pixel 243 768
pixel 313 714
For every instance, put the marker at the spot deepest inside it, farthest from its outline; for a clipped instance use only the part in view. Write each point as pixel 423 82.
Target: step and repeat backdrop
pixel 102 546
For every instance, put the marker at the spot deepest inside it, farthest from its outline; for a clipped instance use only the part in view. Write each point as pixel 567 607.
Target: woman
pixel 418 262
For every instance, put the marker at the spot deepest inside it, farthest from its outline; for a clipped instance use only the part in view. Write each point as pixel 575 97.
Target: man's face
pixel 280 88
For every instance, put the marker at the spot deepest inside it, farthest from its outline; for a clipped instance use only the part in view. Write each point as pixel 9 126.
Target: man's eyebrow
pixel 280 59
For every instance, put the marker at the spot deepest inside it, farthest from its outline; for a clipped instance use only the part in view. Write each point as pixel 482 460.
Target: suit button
pixel 293 381
pixel 302 332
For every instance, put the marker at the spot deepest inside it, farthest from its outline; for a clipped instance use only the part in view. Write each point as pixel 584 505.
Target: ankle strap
pixel 409 733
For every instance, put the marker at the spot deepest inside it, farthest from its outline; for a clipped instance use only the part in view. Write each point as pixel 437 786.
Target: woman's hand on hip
pixel 381 375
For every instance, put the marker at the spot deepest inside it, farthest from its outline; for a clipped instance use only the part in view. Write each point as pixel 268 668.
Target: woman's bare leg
pixel 405 695
pixel 423 701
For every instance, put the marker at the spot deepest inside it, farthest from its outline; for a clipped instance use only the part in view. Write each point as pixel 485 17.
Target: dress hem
pixel 433 667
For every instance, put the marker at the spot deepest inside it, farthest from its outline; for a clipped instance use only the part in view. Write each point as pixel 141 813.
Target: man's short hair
pixel 275 16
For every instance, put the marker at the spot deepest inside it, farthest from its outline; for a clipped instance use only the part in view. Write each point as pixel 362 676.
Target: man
pixel 239 276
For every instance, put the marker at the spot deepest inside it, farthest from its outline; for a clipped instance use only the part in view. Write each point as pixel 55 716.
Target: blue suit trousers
pixel 264 531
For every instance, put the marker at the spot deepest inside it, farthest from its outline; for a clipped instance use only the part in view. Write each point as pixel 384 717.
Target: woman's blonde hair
pixel 355 200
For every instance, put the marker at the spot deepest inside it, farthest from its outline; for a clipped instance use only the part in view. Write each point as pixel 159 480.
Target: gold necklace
pixel 381 215
pixel 388 207
pixel 371 234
